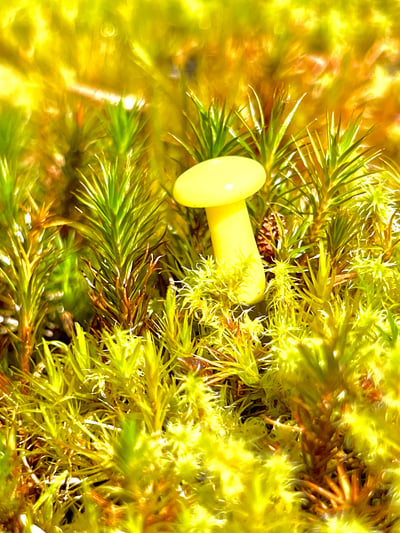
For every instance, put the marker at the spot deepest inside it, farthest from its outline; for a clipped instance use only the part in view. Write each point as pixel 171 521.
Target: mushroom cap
pixel 219 181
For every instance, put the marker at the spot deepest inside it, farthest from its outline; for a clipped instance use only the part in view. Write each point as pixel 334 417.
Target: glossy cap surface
pixel 219 181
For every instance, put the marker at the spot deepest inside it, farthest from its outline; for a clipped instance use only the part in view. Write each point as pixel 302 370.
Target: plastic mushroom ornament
pixel 221 185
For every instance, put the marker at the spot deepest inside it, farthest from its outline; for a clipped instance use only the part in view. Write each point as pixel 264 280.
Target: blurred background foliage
pixel 344 56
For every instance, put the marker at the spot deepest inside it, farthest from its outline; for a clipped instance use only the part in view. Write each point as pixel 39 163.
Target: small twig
pixel 342 278
pixel 344 482
pixel 129 101
pixel 278 424
pixel 333 498
pixel 31 472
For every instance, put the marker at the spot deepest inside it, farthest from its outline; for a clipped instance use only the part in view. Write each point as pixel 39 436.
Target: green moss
pixel 136 394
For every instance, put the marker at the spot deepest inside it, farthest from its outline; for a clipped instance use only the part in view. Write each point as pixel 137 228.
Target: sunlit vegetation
pixel 136 395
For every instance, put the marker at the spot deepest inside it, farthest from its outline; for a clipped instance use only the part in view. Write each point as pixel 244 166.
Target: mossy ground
pixel 137 395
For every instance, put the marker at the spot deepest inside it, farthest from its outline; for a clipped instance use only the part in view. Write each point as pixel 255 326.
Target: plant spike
pixel 29 256
pixel 213 131
pixel 120 223
pixel 332 175
pixel 266 140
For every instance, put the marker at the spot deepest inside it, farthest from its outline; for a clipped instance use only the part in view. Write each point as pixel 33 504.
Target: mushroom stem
pixel 233 243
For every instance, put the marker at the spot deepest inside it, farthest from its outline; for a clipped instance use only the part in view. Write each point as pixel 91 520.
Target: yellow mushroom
pixel 221 186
